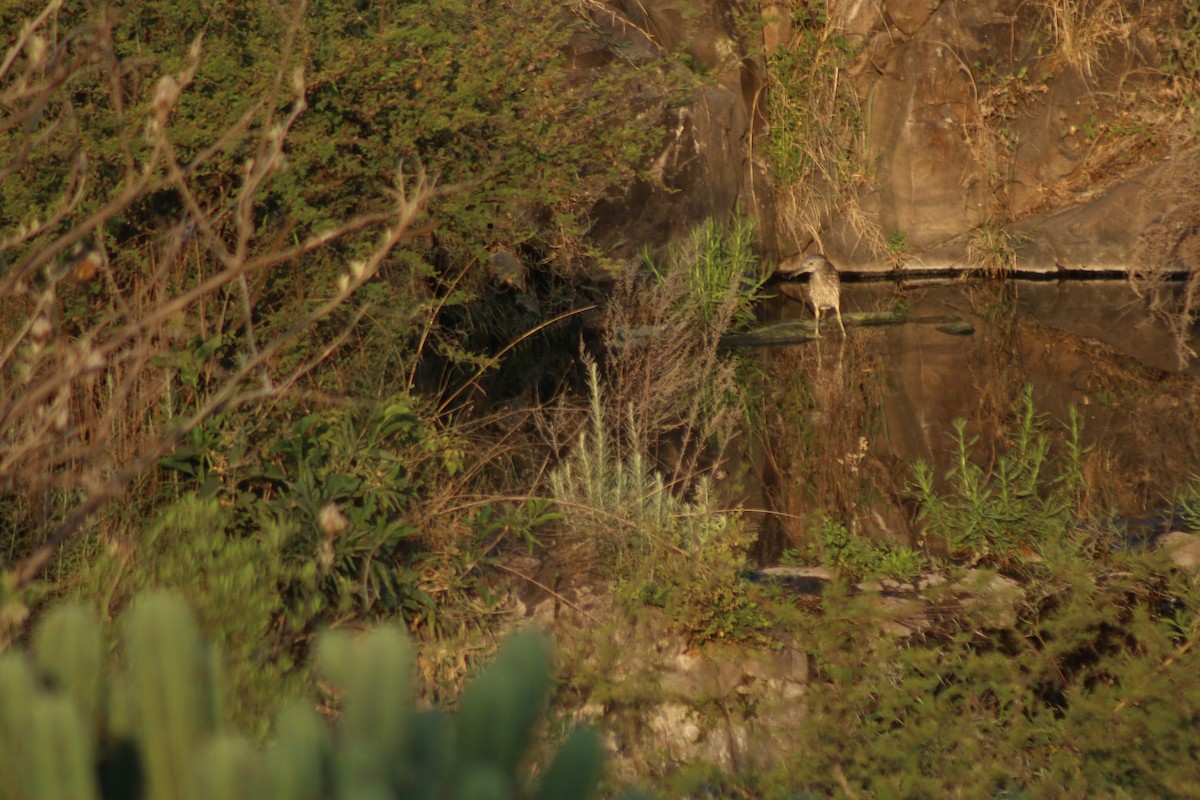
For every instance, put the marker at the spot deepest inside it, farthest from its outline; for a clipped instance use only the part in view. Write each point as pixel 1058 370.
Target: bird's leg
pixel 817 321
pixel 839 316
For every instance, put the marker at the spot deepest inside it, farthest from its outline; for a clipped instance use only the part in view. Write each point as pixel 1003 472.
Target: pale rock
pixel 1183 549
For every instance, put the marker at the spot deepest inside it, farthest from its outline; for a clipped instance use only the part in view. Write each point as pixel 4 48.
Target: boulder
pixel 702 167
pixel 1183 549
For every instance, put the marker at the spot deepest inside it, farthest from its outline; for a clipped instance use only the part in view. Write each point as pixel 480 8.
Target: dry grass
pixel 1082 29
pixel 990 249
pixel 637 458
pixel 817 125
pixel 663 369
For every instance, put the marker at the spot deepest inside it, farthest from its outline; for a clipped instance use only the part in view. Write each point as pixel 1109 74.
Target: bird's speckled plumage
pixel 824 285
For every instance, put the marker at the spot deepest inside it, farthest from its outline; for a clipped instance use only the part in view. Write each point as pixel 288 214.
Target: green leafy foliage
pixel 349 481
pixel 724 281
pixel 347 484
pixel 1184 56
pixel 1187 501
pixel 265 338
pixel 857 557
pixel 480 94
pixel 705 595
pixel 246 592
pixel 1093 692
pixel 1021 505
pixel 897 243
pixel 157 734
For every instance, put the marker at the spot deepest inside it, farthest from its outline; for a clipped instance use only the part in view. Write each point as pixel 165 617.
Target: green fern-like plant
pixel 1022 504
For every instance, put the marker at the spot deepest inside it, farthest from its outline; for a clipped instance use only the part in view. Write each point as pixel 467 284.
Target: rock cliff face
pixel 703 168
pixel 996 134
pixel 1032 135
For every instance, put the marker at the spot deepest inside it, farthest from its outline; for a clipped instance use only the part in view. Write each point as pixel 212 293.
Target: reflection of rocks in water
pixel 1081 345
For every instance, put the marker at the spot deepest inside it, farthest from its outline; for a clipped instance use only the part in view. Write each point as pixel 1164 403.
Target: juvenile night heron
pixel 824 285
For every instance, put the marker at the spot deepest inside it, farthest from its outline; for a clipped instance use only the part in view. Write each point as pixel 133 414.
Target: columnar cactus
pixel 154 731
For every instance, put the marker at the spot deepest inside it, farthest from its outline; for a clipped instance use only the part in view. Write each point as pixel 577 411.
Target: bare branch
pixel 84 410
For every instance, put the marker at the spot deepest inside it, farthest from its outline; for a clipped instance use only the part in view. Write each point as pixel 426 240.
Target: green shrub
pixel 349 481
pixel 1022 505
pixel 857 557
pixel 1183 58
pixel 805 95
pixel 155 731
pixel 724 280
pixel 252 599
pixel 815 146
pixel 1092 693
pixel 245 194
pixel 480 94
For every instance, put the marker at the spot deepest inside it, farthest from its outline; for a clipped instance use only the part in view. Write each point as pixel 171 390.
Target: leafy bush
pixel 142 244
pixel 156 729
pixel 1183 57
pixel 200 223
pixel 627 523
pixel 246 593
pixel 858 557
pixel 1093 693
pixel 1020 506
pixel 349 481
pixel 480 94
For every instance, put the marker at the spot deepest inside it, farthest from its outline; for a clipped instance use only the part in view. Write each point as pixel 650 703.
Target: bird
pixel 824 285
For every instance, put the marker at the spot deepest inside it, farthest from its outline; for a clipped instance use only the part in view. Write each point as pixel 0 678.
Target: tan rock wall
pixel 975 116
pixel 703 168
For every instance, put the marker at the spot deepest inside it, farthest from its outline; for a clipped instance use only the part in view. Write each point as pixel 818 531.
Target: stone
pixel 859 17
pixel 701 169
pixel 708 673
pixel 1183 549
pixel 930 182
pixel 785 667
pixel 904 616
pixel 1137 222
pixel 996 595
pixel 677 725
pixel 909 15
pixel 968 123
pixel 777 25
